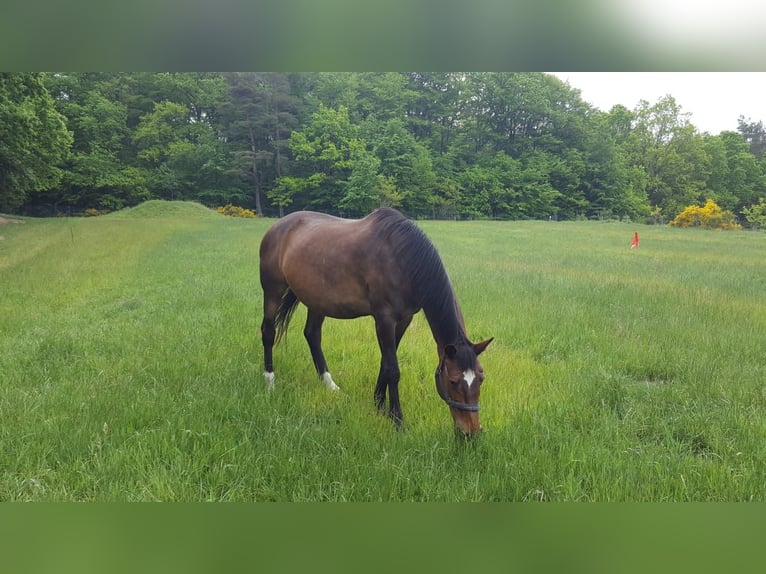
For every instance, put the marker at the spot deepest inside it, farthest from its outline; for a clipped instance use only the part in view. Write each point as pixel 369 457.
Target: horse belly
pixel 331 302
pixel 330 291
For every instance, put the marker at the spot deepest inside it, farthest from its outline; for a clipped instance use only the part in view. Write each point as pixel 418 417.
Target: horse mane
pixel 418 258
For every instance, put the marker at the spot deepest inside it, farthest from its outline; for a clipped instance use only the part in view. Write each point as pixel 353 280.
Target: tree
pixel 537 198
pixel 33 139
pixel 140 135
pixel 407 164
pixel 95 172
pixel 607 183
pixel 362 191
pixel 383 96
pixel 181 151
pixel 328 145
pixel 286 188
pixel 756 214
pixel 754 134
pixel 259 116
pixel 157 138
pixel 666 155
pixel 743 177
pixel 446 144
pixel 436 108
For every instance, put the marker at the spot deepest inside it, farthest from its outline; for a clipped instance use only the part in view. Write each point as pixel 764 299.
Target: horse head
pixel 458 381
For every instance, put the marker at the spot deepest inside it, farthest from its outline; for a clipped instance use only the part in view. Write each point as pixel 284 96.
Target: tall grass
pixel 131 368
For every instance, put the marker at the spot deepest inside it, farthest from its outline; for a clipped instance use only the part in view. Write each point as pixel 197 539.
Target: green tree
pixel 538 198
pixel 362 190
pixel 141 135
pixel 734 175
pixel 756 214
pixel 327 145
pixel 95 173
pixel 495 187
pixel 754 135
pixel 740 179
pixel 666 155
pixel 566 155
pixel 383 96
pixel 407 164
pixel 158 132
pixel 284 191
pixel 258 117
pixel 437 108
pixel 452 144
pixel 33 139
pixel 178 143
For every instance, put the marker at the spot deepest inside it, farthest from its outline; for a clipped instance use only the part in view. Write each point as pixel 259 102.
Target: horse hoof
pixel 269 380
pixel 329 383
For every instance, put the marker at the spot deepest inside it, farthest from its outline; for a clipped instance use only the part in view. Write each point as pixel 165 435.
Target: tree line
pixel 463 145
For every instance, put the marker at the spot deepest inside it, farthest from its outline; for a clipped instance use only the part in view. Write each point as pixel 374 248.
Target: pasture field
pixel 131 368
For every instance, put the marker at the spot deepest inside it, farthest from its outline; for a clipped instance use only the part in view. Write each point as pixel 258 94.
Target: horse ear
pixel 478 348
pixel 450 351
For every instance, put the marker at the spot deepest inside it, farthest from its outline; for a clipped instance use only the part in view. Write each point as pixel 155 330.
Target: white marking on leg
pixel 269 380
pixel 469 376
pixel 329 383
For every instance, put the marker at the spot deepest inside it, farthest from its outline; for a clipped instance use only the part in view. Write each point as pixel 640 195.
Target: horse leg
pixel 268 333
pixel 313 334
pixel 380 388
pixel 388 377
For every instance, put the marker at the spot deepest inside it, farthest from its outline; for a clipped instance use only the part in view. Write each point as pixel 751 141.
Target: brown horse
pixel 384 266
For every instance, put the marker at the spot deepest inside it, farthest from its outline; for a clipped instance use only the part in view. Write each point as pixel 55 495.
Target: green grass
pixel 131 368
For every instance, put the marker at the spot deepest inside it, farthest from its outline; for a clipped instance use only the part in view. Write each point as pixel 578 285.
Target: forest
pixel 463 145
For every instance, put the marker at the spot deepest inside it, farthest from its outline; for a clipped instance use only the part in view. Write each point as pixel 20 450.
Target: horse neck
pixel 445 320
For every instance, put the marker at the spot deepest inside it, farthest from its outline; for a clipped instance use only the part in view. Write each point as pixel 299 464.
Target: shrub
pixel 756 214
pixel 236 211
pixel 93 212
pixel 709 216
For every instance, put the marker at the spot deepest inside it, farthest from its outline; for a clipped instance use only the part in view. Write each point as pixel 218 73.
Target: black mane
pixel 418 258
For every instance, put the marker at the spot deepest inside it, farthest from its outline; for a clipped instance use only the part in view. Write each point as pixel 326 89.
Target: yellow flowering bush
pixel 709 216
pixel 236 211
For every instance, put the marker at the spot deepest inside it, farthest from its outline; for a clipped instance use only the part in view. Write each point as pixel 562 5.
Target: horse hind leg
pixel 268 334
pixel 313 334
pixel 271 303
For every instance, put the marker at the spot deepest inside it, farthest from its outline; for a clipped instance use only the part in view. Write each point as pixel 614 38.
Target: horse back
pixel 339 267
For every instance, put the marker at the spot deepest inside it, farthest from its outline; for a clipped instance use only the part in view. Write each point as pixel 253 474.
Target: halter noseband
pixel 442 390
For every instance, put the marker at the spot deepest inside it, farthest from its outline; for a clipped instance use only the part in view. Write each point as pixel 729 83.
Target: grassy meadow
pixel 131 368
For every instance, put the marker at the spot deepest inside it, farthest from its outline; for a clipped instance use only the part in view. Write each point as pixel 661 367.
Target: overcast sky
pixel 715 99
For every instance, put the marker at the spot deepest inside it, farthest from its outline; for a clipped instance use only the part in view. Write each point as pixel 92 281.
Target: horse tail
pixel 285 313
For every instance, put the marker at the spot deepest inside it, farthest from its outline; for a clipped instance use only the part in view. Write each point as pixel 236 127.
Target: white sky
pixel 726 24
pixel 714 99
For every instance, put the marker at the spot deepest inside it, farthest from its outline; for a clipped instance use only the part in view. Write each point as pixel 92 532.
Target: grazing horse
pixel 384 266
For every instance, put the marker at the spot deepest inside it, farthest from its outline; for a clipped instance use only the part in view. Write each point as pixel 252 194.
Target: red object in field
pixel 634 243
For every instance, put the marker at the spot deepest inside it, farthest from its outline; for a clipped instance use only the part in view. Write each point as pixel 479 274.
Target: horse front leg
pixel 313 334
pixel 388 376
